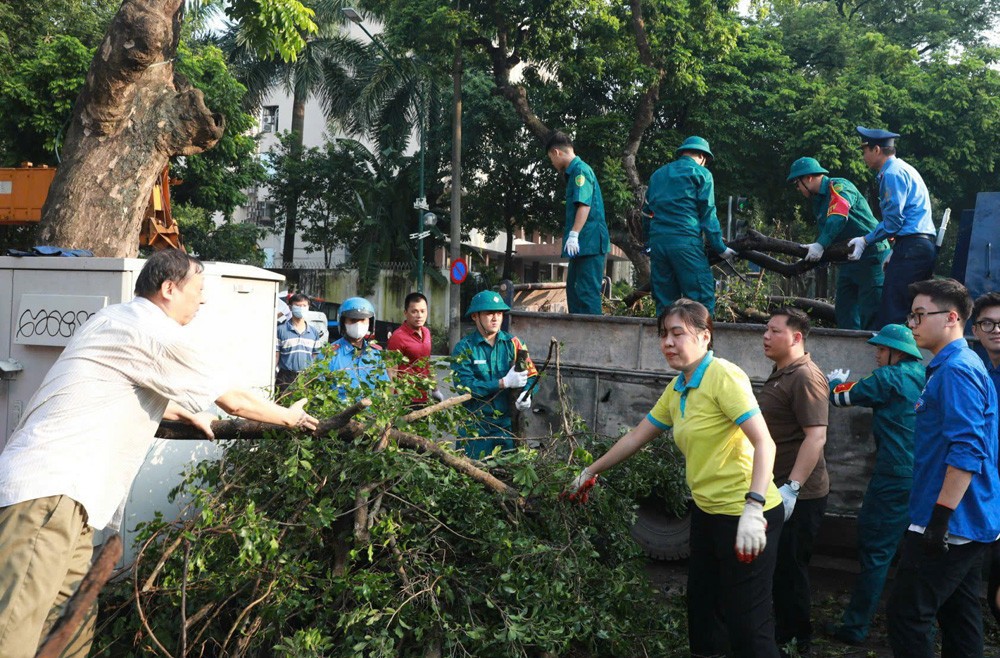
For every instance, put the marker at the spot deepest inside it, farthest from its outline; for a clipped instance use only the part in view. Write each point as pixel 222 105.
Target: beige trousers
pixel 46 548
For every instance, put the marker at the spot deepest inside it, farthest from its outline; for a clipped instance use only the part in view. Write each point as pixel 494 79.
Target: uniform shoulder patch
pixel 580 180
pixel 843 388
pixel 334 347
pixel 839 205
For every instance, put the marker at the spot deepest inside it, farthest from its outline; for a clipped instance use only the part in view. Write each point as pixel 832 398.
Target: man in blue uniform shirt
pixel 585 234
pixel 353 353
pixel 986 327
pixel 906 218
pixel 955 501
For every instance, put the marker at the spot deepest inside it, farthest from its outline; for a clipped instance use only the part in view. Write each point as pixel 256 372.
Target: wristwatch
pixel 755 497
pixel 794 486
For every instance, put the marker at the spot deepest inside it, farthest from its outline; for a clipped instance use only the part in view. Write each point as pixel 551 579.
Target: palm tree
pixel 329 49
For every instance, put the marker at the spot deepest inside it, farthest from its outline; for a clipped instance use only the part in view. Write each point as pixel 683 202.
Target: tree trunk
pixel 629 237
pixel 133 114
pixel 455 250
pixel 292 207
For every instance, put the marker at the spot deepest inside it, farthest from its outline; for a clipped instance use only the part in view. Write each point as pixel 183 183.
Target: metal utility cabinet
pixel 44 300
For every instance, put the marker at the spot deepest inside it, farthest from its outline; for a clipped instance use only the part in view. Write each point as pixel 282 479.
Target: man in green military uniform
pixel 891 391
pixel 843 213
pixel 585 235
pixel 680 212
pixel 484 362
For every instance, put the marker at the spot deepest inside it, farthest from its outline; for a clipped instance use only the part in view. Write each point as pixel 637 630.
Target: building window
pixel 269 119
pixel 261 213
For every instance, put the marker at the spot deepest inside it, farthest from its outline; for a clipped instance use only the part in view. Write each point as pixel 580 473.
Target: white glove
pixel 579 490
pixel 437 395
pixel 573 244
pixel 788 498
pixel 840 374
pixel 515 379
pixel 728 254
pixel 523 402
pixel 815 251
pixel 751 533
pixel 857 247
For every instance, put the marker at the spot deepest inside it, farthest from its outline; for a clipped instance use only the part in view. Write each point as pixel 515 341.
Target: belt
pixel 922 236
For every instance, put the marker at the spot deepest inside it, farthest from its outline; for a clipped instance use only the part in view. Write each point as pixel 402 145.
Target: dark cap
pixel 876 136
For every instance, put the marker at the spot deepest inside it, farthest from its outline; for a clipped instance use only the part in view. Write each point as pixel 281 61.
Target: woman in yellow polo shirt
pixel 729 457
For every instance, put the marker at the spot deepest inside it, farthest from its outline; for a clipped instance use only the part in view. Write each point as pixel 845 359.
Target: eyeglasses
pixel 987 326
pixel 916 318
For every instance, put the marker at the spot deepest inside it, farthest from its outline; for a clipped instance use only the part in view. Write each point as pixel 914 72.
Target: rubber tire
pixel 660 534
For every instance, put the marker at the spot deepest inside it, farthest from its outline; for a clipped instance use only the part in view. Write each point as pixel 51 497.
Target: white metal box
pixel 43 300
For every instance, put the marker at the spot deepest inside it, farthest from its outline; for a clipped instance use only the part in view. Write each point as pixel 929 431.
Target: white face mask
pixel 356 330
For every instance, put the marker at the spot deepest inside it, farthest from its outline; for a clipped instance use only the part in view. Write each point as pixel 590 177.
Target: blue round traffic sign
pixel 459 270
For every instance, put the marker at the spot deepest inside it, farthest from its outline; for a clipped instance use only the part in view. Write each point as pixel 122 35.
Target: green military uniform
pixel 586 269
pixel 843 213
pixel 891 391
pixel 680 209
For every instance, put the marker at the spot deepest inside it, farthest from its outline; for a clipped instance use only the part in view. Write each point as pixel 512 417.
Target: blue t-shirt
pixel 957 426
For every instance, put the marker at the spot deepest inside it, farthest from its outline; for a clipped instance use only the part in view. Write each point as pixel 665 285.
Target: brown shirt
pixel 795 397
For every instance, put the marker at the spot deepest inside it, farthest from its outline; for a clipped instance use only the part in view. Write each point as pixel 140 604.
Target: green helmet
pixel 804 167
pixel 486 300
pixel 897 337
pixel 695 143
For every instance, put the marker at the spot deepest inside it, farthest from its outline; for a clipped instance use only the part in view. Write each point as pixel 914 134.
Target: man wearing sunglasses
pixel 906 218
pixel 955 500
pixel 986 327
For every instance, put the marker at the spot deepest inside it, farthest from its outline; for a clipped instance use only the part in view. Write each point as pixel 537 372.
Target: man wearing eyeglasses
pixel 906 219
pixel 955 501
pixel 986 327
pixel 842 212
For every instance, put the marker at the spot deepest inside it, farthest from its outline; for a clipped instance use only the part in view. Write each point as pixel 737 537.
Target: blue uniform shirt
pixel 583 189
pixel 905 202
pixel 957 426
pixel 681 200
pixel 364 365
pixel 296 351
pixel 993 372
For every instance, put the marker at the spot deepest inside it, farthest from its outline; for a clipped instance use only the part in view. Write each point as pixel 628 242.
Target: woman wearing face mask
pixel 737 514
pixel 353 353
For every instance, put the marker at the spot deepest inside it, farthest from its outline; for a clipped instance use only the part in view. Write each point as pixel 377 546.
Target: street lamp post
pixel 420 205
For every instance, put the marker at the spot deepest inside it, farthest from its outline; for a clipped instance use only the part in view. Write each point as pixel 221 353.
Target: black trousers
pixel 947 587
pixel 729 603
pixel 993 589
pixel 792 599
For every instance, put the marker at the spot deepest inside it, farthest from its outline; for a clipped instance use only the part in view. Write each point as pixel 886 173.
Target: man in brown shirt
pixel 794 403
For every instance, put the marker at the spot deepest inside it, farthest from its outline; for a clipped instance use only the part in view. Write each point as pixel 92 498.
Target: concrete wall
pixel 615 372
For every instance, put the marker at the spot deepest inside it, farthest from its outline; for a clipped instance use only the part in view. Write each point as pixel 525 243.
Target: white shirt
pixel 86 431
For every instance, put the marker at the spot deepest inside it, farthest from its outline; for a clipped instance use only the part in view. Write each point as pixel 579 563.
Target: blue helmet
pixel 356 308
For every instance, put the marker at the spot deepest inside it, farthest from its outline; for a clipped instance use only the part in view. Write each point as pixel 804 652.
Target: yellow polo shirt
pixel 705 415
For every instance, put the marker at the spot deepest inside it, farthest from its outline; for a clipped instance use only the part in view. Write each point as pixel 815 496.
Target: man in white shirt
pixel 84 435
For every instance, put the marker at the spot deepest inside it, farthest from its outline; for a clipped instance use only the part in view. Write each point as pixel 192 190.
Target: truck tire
pixel 661 534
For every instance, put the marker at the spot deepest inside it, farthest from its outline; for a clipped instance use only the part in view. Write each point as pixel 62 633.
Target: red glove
pixel 579 490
